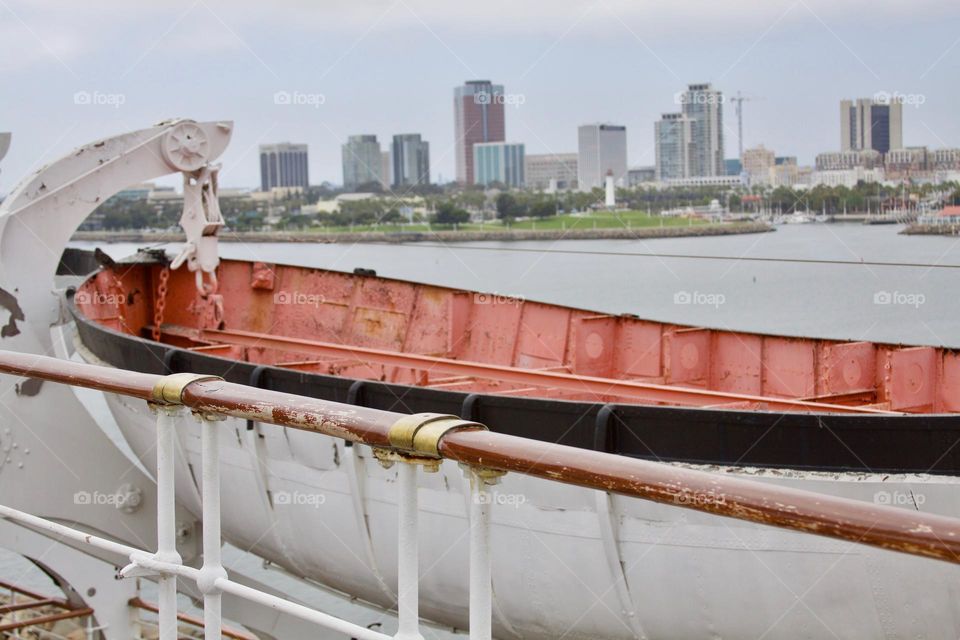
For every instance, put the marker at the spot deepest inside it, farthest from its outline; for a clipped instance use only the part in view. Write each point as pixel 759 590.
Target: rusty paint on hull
pixel 368 327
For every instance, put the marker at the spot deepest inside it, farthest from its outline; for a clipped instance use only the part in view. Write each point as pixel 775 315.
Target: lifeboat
pixel 862 420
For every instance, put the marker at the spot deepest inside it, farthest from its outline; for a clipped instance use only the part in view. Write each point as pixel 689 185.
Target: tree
pixel 369 187
pixel 507 206
pixel 472 199
pixel 392 216
pixel 543 208
pixel 448 213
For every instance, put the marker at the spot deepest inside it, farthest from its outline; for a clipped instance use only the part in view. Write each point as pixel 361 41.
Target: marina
pixel 361 359
pixel 422 320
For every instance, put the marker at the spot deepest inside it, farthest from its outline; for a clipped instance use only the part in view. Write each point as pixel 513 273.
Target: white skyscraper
pixel 602 148
pixel 362 161
pixel 672 138
pixel 703 106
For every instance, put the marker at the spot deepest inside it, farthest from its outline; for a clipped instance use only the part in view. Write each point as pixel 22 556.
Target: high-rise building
pixel 478 116
pixel 362 162
pixel 871 124
pixel 641 175
pixel 411 160
pixel 283 165
pixel 602 148
pixel 703 106
pixel 386 170
pixel 673 143
pixel 550 171
pixel 945 160
pixel 837 161
pixel 498 162
pixel 902 164
pixel 757 163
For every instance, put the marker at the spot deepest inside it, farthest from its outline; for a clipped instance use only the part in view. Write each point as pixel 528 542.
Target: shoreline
pixel 398 237
pixel 931 230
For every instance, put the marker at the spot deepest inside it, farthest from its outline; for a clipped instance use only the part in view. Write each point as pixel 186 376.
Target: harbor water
pixel 856 301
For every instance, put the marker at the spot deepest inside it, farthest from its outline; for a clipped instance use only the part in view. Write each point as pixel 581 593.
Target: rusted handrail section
pixel 880 526
pixel 187 619
pixel 38 602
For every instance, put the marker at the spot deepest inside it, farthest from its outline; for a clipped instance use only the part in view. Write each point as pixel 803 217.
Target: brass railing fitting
pixel 420 434
pixel 169 389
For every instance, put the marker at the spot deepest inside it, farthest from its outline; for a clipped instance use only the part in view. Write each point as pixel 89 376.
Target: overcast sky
pixel 389 66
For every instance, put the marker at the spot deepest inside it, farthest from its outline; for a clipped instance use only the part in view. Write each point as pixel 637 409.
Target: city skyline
pixel 335 83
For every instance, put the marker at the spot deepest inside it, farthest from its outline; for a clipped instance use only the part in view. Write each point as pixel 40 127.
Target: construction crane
pixel 738 100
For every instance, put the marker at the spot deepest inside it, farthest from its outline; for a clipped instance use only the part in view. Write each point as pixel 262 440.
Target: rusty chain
pixel 161 302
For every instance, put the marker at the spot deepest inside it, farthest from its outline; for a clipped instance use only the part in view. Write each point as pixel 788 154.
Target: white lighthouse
pixel 611 200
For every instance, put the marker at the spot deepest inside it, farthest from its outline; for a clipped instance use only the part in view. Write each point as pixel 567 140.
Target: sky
pixel 72 72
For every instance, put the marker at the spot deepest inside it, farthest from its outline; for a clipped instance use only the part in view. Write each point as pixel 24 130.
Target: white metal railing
pixel 211 578
pixel 425 440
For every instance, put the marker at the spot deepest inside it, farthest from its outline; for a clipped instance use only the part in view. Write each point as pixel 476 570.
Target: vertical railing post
pixel 408 555
pixel 166 519
pixel 481 558
pixel 212 568
pixel 481 598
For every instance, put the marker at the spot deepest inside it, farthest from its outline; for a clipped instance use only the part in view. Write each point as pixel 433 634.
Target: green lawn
pixel 605 220
pixel 599 220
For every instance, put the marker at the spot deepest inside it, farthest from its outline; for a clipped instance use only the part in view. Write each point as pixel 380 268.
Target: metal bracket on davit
pixel 186 148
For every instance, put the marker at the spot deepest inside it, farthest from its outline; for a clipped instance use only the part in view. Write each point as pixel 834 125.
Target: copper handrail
pixel 880 526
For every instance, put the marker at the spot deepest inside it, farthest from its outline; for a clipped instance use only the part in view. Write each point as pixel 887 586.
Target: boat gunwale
pixel 586 432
